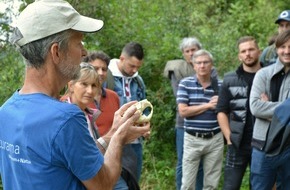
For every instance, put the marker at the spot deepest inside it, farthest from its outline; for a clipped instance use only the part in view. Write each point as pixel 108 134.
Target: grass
pixel 160 174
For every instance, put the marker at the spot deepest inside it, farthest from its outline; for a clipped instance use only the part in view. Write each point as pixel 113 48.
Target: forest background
pixel 158 25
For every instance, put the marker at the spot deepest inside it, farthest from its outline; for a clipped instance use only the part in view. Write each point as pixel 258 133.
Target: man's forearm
pixel 113 157
pixel 225 126
pixel 111 169
pixel 189 111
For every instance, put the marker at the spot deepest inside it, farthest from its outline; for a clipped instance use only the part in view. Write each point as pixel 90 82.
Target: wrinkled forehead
pixel 203 57
pixel 191 47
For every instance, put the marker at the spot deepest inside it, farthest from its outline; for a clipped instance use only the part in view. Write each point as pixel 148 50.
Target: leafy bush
pixel 11 73
pixel 159 26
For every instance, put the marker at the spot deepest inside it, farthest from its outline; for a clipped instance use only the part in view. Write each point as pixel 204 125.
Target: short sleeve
pixel 74 149
pixel 182 94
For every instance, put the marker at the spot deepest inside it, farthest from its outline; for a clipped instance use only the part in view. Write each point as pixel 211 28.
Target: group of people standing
pixel 90 91
pixel 89 137
pixel 238 111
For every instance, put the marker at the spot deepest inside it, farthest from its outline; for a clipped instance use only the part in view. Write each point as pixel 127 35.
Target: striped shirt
pixel 191 92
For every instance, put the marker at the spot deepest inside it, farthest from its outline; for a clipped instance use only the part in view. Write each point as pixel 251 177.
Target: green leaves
pixel 159 26
pixel 11 73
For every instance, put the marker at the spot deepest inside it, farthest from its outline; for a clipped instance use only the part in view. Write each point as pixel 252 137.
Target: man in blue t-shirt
pixel 44 143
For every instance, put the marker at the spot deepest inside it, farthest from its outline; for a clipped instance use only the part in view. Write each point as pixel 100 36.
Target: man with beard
pixel 45 143
pixel 234 116
pixel 129 86
pixel 271 86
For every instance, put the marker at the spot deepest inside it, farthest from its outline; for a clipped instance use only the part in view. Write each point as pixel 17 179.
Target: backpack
pixel 270 53
pixel 215 86
pixel 270 56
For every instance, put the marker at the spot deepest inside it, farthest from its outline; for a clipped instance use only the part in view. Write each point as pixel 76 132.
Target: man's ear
pixel 240 59
pixel 122 57
pixel 55 54
pixel 70 86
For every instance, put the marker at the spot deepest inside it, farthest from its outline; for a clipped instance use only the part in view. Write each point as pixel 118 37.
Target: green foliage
pixel 159 26
pixel 11 73
pixel 157 167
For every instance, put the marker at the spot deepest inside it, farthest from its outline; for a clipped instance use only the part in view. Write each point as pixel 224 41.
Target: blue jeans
pixel 121 185
pixel 264 170
pixel 179 132
pixel 237 161
pixel 138 149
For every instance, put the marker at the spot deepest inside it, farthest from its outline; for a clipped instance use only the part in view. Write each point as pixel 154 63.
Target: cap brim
pixel 281 19
pixel 86 24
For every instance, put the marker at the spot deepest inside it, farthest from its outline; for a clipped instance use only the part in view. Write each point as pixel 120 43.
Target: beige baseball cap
pixel 47 17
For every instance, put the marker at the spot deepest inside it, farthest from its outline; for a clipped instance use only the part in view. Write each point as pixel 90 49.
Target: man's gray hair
pixel 189 41
pixel 34 53
pixel 201 52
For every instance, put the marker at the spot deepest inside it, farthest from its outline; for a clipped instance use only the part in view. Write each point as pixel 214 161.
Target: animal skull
pixel 141 106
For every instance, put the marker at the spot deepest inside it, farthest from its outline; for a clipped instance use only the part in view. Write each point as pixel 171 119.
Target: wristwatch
pixel 102 143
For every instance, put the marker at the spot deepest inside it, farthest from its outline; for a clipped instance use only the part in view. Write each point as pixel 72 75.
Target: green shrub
pixel 159 26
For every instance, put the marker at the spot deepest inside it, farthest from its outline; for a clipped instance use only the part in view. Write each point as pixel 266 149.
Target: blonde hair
pixel 87 72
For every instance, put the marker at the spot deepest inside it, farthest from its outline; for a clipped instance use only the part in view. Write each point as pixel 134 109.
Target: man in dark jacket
pixel 234 116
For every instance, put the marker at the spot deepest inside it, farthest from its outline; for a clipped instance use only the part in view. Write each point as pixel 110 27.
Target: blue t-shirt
pixel 45 144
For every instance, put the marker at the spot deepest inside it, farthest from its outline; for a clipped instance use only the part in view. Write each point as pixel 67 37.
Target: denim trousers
pixel 121 184
pixel 138 149
pixel 210 151
pixel 265 169
pixel 179 132
pixel 237 161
